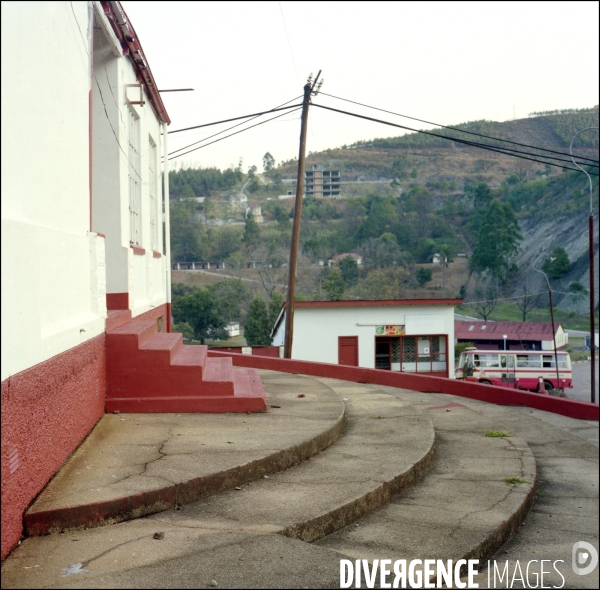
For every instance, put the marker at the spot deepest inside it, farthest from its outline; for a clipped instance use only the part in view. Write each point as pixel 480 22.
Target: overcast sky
pixel 446 62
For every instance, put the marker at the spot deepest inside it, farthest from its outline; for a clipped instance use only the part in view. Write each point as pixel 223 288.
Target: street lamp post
pixel 591 255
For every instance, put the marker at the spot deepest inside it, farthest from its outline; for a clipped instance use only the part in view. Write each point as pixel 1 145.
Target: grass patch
pixel 496 433
pixel 512 481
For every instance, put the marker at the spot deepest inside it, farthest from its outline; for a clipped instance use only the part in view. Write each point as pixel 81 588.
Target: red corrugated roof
pixel 497 330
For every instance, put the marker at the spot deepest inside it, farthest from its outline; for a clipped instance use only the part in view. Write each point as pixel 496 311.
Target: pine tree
pixel 256 328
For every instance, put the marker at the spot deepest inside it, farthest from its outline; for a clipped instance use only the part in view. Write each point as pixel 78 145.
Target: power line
pixel 455 139
pixel 457 129
pixel 229 128
pixel 240 131
pixel 237 118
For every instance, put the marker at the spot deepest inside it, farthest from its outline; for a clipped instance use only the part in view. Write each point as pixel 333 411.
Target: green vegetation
pixel 496 433
pixel 334 284
pixel 497 241
pixel 202 314
pixel 558 264
pixel 512 481
pixel 202 182
pixel 257 328
pixel 349 270
pixel 425 196
pixel 423 275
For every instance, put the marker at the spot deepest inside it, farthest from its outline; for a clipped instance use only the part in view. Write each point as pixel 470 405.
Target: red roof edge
pixel 132 47
pixel 377 302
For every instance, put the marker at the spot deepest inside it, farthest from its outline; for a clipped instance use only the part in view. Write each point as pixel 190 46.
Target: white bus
pixel 518 369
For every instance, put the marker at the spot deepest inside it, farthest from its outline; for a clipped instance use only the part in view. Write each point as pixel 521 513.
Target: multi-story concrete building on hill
pixel 319 182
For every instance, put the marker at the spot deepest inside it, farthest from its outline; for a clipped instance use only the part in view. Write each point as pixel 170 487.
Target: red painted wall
pixel 425 383
pixel 47 411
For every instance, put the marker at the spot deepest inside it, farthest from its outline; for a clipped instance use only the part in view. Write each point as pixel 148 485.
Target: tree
pixel 485 297
pixel 381 252
pixel 497 242
pixel 185 329
pixel 381 219
pixel 268 162
pixel 251 236
pixel 256 328
pixel 558 264
pixel 349 270
pixel 482 196
pixel 186 233
pixel 424 275
pixel 201 311
pixel 483 165
pixel 187 192
pixel 527 303
pixel 334 284
pixel 522 169
pixel 229 295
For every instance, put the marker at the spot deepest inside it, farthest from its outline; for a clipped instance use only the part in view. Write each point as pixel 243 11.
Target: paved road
pixel 581 381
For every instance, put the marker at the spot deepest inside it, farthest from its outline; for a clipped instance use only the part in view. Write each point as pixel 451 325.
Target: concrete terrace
pixel 335 470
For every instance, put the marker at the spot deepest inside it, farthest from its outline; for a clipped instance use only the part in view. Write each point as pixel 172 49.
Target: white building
pixel 83 131
pixel 233 329
pixel 412 335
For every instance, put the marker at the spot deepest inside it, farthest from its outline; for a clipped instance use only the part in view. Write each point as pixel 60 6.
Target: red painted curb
pixel 487 393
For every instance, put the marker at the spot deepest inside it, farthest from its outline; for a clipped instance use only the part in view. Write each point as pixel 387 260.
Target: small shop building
pixel 406 335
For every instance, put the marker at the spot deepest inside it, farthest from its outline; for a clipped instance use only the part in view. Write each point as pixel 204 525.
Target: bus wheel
pixel 485 382
pixel 548 386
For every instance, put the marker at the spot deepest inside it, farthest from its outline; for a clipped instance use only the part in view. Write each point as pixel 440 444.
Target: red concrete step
pixel 248 383
pixel 248 396
pixel 191 356
pixel 168 344
pixel 134 333
pixel 151 372
pixel 218 378
pixel 205 404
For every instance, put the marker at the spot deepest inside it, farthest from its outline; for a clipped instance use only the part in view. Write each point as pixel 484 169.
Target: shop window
pixel 412 354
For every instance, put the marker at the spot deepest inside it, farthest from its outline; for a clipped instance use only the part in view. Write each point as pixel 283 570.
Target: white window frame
pixel 135 179
pixel 152 192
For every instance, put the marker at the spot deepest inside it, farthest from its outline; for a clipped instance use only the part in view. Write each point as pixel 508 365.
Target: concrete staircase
pixel 335 470
pixel 149 371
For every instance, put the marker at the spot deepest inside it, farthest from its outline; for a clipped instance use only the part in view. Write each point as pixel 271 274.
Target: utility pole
pixel 552 319
pixel 293 264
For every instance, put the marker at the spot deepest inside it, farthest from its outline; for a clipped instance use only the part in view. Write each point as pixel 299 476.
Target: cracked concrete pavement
pixel 466 484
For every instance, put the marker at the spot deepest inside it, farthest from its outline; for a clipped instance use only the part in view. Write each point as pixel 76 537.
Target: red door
pixel 348 350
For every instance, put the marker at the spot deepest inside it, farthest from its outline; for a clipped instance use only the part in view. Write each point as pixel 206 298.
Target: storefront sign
pixel 389 330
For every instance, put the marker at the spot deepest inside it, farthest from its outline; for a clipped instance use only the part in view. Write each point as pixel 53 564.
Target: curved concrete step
pixel 129 555
pixel 466 506
pixel 386 446
pixel 132 465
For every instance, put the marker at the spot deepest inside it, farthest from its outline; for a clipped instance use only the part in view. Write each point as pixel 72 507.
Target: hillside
pixel 434 156
pixel 402 200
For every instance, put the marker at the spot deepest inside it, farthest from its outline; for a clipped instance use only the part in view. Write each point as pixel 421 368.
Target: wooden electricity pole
pixel 293 263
